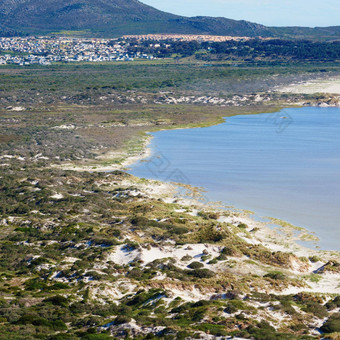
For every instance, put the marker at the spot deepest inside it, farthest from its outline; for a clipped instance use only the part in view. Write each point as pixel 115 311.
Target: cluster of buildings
pixel 44 50
pixel 185 37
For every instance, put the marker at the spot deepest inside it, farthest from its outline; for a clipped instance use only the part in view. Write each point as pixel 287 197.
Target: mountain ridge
pixel 110 18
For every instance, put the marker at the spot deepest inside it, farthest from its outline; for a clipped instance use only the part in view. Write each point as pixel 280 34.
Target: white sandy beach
pixel 331 86
pixel 279 239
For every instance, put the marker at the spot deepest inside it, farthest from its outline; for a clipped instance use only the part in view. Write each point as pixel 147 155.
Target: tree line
pixel 253 49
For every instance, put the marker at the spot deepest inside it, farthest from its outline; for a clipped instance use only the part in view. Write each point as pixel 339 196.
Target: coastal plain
pixel 89 251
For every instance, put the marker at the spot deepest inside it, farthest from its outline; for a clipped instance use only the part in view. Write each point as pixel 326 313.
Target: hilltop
pixel 110 18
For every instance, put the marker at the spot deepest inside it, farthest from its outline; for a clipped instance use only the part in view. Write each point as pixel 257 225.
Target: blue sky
pixel 268 12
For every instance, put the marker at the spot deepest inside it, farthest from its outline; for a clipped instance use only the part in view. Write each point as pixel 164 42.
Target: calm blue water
pixel 285 165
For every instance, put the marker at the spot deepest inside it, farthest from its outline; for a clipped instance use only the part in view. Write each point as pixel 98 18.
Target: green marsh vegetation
pixel 155 76
pixel 102 107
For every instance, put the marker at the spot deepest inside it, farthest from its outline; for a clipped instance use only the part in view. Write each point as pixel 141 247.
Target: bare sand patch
pixel 331 85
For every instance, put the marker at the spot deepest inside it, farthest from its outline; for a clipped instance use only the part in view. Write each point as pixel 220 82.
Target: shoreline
pixel 172 189
pixel 111 158
pixel 256 233
pixel 301 233
pixel 121 159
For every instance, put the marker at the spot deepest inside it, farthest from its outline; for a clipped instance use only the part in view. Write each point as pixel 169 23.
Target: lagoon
pixel 284 165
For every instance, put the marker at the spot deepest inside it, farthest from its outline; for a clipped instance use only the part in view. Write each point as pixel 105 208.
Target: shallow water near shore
pixel 284 165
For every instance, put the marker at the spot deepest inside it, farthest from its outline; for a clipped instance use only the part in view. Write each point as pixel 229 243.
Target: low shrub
pixel 120 319
pixel 202 273
pixel 332 325
pixel 333 303
pixel 276 275
pixel 314 259
pixel 196 265
pixel 186 258
pixel 317 309
pixel 57 300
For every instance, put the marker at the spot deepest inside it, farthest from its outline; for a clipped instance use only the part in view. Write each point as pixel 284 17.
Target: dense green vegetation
pixel 248 50
pixel 85 83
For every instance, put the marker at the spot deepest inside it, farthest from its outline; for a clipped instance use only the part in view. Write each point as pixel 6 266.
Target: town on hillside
pixel 48 50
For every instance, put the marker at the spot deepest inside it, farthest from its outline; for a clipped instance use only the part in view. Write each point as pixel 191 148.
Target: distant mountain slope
pixel 110 18
pixel 320 33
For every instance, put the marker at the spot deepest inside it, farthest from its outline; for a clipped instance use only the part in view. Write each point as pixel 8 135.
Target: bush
pixel 196 265
pixel 138 274
pixel 186 258
pixel 217 330
pixel 94 275
pixel 276 275
pixel 202 273
pixel 120 319
pixel 101 241
pixel 314 259
pixel 211 234
pixel 287 308
pixel 57 300
pixel 38 261
pixel 230 309
pixel 58 286
pixel 139 221
pixel 213 261
pixel 97 337
pixel 333 303
pixel 62 337
pixel 116 233
pixel 307 298
pixel 26 319
pixel 234 306
pixel 332 325
pixel 35 284
pixel 57 325
pixel 178 230
pixel 263 330
pixel 317 309
pixel 228 251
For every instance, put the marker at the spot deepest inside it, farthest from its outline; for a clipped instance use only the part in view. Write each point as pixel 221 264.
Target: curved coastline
pixel 123 157
pixel 128 159
pixel 281 239
pixel 307 236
